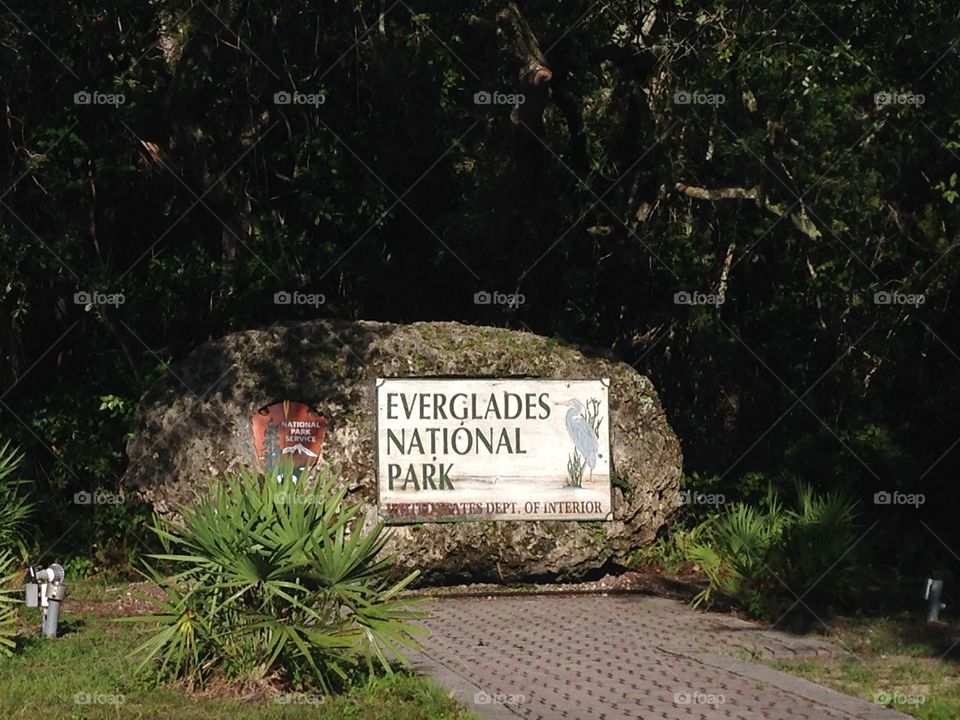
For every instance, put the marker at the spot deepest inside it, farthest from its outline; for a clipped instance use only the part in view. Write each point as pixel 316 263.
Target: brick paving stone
pixel 622 657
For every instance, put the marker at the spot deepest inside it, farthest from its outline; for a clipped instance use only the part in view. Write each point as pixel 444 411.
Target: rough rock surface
pixel 194 425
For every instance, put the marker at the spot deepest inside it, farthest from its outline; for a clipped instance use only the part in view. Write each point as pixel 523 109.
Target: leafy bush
pixel 9 597
pixel 275 583
pixel 735 552
pixel 669 552
pixel 814 557
pixel 15 507
pixel 759 556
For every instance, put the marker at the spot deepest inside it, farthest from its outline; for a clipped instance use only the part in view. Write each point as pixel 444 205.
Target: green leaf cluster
pixel 768 557
pixel 276 582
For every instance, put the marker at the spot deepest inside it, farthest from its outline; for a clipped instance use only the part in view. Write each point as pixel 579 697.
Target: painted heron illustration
pixel 583 436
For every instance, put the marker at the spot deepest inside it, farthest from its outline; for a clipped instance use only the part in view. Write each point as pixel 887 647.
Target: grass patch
pixel 53 678
pixel 897 662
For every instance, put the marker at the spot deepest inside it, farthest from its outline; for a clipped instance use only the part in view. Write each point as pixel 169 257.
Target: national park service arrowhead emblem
pixel 288 436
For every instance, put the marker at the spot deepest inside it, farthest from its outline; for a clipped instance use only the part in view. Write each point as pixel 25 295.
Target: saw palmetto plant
pixel 15 506
pixel 761 556
pixel 276 582
pixel 734 553
pixel 15 510
pixel 9 598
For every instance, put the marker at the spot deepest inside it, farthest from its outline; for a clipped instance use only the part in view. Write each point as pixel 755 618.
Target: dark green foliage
pixel 816 557
pixel 771 559
pixel 9 599
pixel 15 506
pixel 15 511
pixel 275 582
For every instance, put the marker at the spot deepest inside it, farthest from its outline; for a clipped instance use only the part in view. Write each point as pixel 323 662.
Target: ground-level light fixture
pixel 932 596
pixel 46 589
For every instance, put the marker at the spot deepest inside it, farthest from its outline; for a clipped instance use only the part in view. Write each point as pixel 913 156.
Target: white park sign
pixel 493 449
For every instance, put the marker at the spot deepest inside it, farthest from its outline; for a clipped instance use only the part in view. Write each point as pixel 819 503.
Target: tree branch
pixel 731 193
pixel 526 47
pixel 534 84
pixel 801 220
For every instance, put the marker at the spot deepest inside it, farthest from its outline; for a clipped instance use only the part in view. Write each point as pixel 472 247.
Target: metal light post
pixel 46 589
pixel 932 596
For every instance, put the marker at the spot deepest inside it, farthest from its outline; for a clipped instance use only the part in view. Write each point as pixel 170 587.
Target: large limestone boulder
pixel 194 425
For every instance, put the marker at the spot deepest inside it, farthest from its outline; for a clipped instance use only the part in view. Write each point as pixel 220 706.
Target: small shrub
pixel 79 566
pixel 759 556
pixel 814 557
pixel 669 552
pixel 15 507
pixel 735 553
pixel 15 510
pixel 9 598
pixel 278 583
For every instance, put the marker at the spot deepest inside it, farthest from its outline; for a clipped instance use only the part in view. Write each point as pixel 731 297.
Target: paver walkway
pixel 619 657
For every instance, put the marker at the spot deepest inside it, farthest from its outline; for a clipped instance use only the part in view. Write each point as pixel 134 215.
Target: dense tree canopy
pixel 796 159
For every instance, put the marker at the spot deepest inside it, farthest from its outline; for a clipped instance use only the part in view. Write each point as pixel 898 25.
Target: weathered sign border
pixel 401 519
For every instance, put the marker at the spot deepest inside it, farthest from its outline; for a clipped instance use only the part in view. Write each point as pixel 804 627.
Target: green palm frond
pixel 15 506
pixel 753 553
pixel 276 579
pixel 9 599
